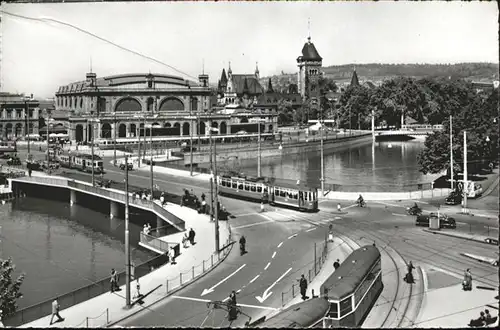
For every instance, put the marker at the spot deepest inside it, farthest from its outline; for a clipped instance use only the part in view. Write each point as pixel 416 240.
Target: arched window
pixel 81 102
pixel 194 104
pixel 150 104
pixel 128 104
pixel 171 104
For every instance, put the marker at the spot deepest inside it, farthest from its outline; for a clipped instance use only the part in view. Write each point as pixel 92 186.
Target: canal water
pixel 62 248
pixel 383 166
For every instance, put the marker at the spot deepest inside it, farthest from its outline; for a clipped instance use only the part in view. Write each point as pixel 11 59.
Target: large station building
pixel 119 106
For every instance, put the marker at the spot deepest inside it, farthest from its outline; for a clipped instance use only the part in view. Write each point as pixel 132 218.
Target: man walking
pixel 114 281
pixel 192 234
pixel 303 287
pixel 336 264
pixel 55 312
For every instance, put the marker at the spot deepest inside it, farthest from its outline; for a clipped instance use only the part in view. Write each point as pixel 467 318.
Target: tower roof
pixel 309 52
pixel 223 78
pixel 354 79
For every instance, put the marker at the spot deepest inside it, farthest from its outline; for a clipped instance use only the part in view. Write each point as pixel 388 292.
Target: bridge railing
pixel 46 180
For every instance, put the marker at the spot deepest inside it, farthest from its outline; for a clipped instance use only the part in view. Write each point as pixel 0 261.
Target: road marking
pixel 253 224
pixel 311 229
pixel 447 272
pixel 207 291
pixel 384 203
pixel 225 299
pixel 348 207
pixel 294 235
pixel 244 214
pixel 461 223
pixel 241 305
pixel 267 266
pixel 493 228
pixel 400 214
pixel 279 245
pixel 422 202
pixel 265 216
pixel 274 255
pixel 237 291
pixel 254 279
pixel 267 293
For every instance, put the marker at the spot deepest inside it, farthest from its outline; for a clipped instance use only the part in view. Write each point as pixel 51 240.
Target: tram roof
pixel 84 155
pixel 351 272
pixel 283 183
pixel 300 315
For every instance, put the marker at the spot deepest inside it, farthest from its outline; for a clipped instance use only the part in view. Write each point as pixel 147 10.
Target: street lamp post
pixel 451 151
pixel 127 239
pixel 465 188
pixel 216 193
pixel 93 120
pixel 47 124
pixel 191 143
pixel 27 114
pixel 114 138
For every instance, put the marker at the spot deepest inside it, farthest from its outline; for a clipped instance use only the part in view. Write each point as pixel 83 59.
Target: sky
pixel 38 56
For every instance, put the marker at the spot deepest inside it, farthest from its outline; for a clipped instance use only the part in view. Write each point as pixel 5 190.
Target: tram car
pixel 270 190
pixel 306 314
pixel 353 288
pixel 81 162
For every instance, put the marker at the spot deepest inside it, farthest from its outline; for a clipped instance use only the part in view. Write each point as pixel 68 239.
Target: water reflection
pixel 62 248
pixel 367 167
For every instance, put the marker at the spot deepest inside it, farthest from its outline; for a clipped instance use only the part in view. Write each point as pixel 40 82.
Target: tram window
pixel 247 186
pixel 345 306
pixel 234 184
pixel 282 193
pixel 334 310
pixel 240 185
pixel 259 188
pixel 253 187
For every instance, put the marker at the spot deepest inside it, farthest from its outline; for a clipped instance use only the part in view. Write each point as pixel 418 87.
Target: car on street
pixel 444 220
pixel 454 198
pixel 130 166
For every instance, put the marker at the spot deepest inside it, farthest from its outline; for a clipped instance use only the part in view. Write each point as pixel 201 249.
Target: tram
pixel 8 146
pixel 307 314
pixel 270 190
pixel 353 288
pixel 81 162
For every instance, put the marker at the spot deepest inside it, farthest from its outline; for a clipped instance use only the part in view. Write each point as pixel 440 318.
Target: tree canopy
pixel 9 288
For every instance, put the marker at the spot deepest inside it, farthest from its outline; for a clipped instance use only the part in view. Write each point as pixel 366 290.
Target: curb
pixel 489 241
pixel 416 301
pixel 492 261
pixel 110 324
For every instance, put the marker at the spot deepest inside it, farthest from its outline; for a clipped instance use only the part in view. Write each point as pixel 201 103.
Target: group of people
pixel 484 319
pixel 188 237
pixel 147 229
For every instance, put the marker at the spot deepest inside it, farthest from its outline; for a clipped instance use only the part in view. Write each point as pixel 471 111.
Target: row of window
pixel 16 113
pixel 295 194
pixel 367 282
pixel 242 185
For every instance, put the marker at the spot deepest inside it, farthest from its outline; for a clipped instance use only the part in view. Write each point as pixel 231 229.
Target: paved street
pixel 276 253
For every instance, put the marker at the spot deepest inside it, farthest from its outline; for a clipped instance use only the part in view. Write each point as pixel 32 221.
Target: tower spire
pixel 203 66
pixel 309 29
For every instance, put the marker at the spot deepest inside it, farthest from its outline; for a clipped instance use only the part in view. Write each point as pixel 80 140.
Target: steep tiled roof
pixel 274 97
pixel 309 52
pixel 354 79
pixel 254 87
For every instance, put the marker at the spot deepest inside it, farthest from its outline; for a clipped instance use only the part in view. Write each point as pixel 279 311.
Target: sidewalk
pixel 468 236
pixel 193 262
pixel 451 307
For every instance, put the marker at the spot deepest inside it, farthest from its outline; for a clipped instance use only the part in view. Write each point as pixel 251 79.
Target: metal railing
pixel 414 190
pixel 155 242
pixel 189 275
pixel 80 295
pixel 310 274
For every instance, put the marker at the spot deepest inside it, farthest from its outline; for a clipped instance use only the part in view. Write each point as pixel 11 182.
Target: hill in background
pixel 375 72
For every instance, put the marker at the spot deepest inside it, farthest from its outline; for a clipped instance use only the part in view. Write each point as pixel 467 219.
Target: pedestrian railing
pixel 310 274
pixel 80 295
pixel 189 275
pixel 155 242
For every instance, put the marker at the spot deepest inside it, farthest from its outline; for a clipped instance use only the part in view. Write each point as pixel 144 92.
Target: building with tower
pixel 241 89
pixel 309 63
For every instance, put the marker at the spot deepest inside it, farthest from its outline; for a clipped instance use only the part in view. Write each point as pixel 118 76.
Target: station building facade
pixel 119 106
pixel 14 120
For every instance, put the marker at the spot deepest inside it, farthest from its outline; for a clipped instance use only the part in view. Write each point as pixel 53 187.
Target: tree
pixel 9 289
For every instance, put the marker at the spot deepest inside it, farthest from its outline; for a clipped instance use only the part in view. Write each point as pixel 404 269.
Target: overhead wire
pixel 93 35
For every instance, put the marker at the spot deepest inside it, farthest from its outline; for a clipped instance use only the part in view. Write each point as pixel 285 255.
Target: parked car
pixel 14 161
pixel 444 220
pixel 454 198
pixel 130 166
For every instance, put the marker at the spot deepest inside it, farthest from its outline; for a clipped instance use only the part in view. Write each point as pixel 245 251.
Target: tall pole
pixel 139 146
pixel 28 128
pixel 373 125
pixel 350 121
pixel 451 151
pixel 145 141
pixel 258 153
pixel 92 151
pixel 217 246
pixel 151 159
pixel 114 139
pixel 211 172
pixel 191 146
pixel 48 154
pixel 322 163
pixel 127 242
pixel 465 190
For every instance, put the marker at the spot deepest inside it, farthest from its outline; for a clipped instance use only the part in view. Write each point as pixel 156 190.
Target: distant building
pixel 481 86
pixel 14 120
pixel 239 88
pixel 309 63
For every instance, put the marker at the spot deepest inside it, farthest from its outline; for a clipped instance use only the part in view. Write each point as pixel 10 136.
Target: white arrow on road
pixel 267 293
pixel 207 291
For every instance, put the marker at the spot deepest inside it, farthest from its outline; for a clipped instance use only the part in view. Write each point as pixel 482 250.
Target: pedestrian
pixel 192 234
pixel 303 287
pixel 172 256
pixel 336 264
pixel 339 209
pixel 467 283
pixel 138 290
pixel 184 241
pixel 487 316
pixel 114 281
pixel 232 298
pixel 55 312
pixel 149 228
pixel 29 171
